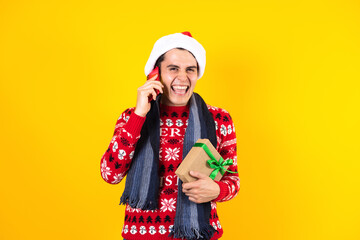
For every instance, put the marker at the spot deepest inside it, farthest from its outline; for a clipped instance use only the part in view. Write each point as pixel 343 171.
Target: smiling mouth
pixel 181 90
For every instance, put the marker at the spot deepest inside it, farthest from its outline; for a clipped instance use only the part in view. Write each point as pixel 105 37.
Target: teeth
pixel 179 87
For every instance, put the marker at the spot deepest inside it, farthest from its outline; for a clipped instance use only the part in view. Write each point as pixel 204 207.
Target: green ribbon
pixel 218 165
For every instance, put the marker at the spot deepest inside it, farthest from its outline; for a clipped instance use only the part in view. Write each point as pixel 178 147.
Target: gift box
pixel 203 158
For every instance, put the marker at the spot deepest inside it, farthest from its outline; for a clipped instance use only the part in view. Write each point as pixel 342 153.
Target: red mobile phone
pixel 152 74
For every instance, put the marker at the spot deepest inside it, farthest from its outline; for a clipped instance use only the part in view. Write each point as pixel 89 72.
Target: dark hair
pixel 162 57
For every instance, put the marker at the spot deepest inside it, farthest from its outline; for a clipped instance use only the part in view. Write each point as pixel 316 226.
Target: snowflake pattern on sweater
pixel 156 224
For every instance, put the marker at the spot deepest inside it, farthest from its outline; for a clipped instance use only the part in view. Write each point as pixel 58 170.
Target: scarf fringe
pixel 191 233
pixel 135 203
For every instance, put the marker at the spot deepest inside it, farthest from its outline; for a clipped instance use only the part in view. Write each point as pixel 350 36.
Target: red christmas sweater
pixel 157 224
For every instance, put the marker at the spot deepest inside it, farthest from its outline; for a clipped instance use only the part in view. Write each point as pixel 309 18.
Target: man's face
pixel 179 76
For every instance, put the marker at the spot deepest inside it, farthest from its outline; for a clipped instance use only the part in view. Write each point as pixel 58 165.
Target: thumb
pixel 198 175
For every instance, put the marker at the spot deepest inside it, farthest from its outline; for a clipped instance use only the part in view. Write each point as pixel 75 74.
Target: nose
pixel 182 75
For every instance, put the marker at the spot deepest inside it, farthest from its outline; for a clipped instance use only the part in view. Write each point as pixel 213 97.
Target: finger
pixel 151 81
pixel 191 191
pixel 157 82
pixel 148 84
pixel 194 200
pixel 189 186
pixel 154 77
pixel 153 84
pixel 191 195
pixel 159 88
pixel 198 175
pixel 146 90
pixel 153 93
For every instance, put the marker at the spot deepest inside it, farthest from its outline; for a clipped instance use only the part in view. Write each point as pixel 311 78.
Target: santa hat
pixel 177 40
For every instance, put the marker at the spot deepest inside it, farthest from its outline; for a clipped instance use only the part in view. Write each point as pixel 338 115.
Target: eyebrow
pixel 191 67
pixel 171 65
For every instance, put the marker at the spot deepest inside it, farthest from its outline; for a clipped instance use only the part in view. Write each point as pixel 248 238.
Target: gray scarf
pixel 143 182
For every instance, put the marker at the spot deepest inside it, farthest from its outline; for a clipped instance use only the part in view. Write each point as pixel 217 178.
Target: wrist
pixel 134 124
pixel 139 112
pixel 217 190
pixel 223 191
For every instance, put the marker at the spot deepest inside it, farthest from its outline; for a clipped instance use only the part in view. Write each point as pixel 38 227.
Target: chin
pixel 179 101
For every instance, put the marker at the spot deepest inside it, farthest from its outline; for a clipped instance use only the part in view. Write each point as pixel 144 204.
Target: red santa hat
pixel 177 40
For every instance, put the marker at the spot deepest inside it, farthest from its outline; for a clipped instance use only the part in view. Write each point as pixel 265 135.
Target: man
pixel 151 140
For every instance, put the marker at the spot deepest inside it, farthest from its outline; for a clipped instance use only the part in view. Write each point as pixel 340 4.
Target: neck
pixel 165 101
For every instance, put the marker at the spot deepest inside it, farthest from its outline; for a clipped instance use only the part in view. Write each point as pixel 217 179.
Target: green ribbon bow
pixel 214 163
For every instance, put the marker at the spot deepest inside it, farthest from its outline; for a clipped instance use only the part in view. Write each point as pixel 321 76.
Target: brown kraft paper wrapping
pixel 195 160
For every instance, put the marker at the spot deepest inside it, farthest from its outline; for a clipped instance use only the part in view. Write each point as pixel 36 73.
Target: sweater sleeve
pixel 225 131
pixel 116 160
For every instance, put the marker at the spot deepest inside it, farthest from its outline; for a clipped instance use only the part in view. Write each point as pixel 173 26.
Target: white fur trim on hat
pixel 176 40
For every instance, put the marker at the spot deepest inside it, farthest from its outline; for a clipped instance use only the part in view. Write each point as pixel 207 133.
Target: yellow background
pixel 288 73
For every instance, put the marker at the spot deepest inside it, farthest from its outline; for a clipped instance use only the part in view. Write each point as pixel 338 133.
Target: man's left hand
pixel 204 189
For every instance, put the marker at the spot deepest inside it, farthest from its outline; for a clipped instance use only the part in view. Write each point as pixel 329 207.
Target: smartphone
pixel 152 74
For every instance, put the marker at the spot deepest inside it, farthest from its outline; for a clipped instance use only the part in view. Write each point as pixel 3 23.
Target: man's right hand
pixel 148 89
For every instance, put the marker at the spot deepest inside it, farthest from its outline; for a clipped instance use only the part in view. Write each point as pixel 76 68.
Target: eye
pixel 173 69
